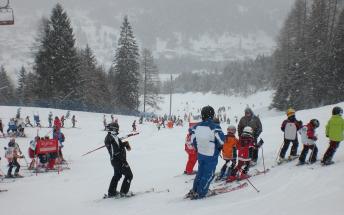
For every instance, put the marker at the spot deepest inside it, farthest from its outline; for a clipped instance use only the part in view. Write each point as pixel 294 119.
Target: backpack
pixel 290 131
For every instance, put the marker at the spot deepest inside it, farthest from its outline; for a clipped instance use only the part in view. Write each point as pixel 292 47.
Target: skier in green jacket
pixel 334 131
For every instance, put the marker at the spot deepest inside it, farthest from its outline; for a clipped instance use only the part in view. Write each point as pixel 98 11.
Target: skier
pixel 18 113
pixel 2 128
pixel 290 127
pixel 73 121
pixel 104 123
pixel 335 132
pixel 57 134
pixel 134 125
pixel 12 154
pixel 309 137
pixel 32 150
pixel 28 122
pixel 62 121
pixel 112 118
pixel 57 123
pixel 12 126
pixel 50 119
pixel 229 153
pixel 207 137
pixel 246 141
pixel 36 119
pixel 67 114
pixel 20 128
pixel 192 156
pixel 254 122
pixel 117 151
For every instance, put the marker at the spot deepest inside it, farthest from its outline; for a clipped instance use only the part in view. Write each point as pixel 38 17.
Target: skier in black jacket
pixel 117 150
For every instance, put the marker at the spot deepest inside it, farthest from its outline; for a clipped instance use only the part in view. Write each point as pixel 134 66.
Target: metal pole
pixel 171 97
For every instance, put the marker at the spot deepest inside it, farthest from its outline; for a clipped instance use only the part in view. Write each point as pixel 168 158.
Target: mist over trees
pixel 308 61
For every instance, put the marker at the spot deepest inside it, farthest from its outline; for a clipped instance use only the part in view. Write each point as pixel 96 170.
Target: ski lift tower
pixel 6 13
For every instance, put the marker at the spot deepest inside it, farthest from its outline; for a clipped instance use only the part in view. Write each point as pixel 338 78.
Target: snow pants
pixel 205 174
pixel 13 163
pixel 293 150
pixel 192 159
pixel 304 153
pixel 331 150
pixel 119 170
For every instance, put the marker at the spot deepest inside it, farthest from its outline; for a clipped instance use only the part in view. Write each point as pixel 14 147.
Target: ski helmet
pixel 290 112
pixel 337 111
pixel 248 131
pixel 315 123
pixel 113 127
pixel 231 129
pixel 207 112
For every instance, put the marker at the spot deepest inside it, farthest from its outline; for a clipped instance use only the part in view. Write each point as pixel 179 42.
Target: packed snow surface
pixel 157 160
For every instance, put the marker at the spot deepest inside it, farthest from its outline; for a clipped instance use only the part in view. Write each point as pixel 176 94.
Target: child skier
pixel 290 127
pixel 2 128
pixel 50 119
pixel 36 119
pixel 12 126
pixel 57 123
pixel 28 122
pixel 31 151
pixel 192 156
pixel 309 137
pixel 62 121
pixel 134 125
pixel 12 154
pixel 246 141
pixel 229 153
pixel 335 132
pixel 73 121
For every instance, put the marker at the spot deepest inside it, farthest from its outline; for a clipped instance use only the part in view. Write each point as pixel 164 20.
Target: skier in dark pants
pixel 117 150
pixel 253 121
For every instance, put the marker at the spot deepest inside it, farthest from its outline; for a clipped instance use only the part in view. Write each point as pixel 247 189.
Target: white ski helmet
pixel 248 130
pixel 231 129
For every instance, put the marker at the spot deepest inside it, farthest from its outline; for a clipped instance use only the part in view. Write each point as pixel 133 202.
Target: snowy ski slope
pixel 158 159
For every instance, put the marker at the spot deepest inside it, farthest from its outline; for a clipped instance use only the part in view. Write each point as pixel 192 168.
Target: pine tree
pixel 150 82
pixel 336 84
pixel 126 70
pixel 6 88
pixel 57 64
pixel 21 86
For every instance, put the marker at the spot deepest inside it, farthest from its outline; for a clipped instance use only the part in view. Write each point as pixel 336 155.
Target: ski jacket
pixel 12 125
pixel 189 148
pixel 252 121
pixel 207 137
pixel 335 128
pixel 116 148
pixel 57 124
pixel 245 143
pixel 229 147
pixel 290 127
pixel 12 151
pixel 308 135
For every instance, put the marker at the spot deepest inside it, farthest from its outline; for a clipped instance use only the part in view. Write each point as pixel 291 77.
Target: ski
pixel 132 194
pixel 255 173
pixel 226 189
pixel 3 190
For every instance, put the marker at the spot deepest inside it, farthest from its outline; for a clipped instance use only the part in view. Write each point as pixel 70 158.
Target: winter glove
pixel 260 143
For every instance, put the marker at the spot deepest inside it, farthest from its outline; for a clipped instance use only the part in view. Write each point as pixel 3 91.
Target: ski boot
pixel 280 160
pixel 327 162
pixel 243 176
pixel 300 163
pixel 231 178
pixel 292 157
pixel 17 175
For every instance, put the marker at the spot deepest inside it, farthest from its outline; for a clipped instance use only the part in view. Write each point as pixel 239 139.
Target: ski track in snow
pixel 157 157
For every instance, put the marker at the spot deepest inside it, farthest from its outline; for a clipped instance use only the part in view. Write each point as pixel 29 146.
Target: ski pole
pixel 122 138
pixel 251 183
pixel 279 151
pixel 263 160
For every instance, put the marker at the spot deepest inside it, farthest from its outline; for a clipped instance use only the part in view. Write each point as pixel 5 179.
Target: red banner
pixel 46 146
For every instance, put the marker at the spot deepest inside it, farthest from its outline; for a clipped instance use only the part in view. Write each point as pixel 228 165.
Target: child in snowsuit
pixel 290 127
pixel 62 121
pixel 335 132
pixel 12 154
pixel 309 137
pixel 12 126
pixel 57 123
pixel 1 128
pixel 73 121
pixel 246 141
pixel 36 119
pixel 229 153
pixel 32 151
pixel 50 119
pixel 192 156
pixel 134 125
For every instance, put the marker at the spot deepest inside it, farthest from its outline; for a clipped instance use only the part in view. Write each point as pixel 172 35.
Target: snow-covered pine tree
pixel 126 70
pixel 150 81
pixel 57 63
pixel 94 91
pixel 20 91
pixel 337 75
pixel 7 96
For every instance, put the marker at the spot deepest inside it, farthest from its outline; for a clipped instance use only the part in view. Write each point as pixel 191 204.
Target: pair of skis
pixel 132 194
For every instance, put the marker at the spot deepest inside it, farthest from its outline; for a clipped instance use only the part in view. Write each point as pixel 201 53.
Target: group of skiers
pixel 205 140
pixel 291 127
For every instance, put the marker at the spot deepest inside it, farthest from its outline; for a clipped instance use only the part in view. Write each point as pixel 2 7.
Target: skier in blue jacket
pixel 208 139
